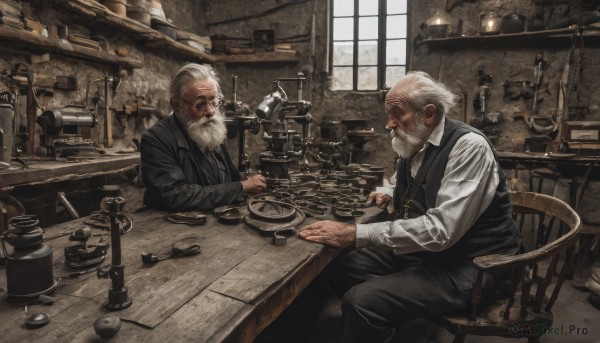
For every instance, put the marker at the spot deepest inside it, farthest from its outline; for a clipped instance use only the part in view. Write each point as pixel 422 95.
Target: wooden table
pixel 543 157
pixel 40 172
pixel 236 286
pixel 569 165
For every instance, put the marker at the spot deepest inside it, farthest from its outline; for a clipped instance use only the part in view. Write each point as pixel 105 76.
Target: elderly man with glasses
pixel 185 163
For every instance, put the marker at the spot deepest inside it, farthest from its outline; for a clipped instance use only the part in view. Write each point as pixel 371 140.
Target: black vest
pixel 494 231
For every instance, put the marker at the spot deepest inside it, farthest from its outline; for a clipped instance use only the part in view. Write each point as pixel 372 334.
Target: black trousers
pixel 381 290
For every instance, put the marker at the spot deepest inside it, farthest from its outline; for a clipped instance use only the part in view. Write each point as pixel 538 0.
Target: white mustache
pixel 397 133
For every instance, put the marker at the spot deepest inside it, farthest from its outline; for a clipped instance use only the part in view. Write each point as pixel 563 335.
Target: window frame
pixel 381 45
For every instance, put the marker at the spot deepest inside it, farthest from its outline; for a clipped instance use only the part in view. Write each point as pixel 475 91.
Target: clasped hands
pixel 339 234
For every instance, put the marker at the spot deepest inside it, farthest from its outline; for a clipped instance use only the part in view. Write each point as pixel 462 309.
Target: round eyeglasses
pixel 203 105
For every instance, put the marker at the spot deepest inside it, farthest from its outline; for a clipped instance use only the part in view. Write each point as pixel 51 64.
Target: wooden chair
pixel 526 312
pixel 590 233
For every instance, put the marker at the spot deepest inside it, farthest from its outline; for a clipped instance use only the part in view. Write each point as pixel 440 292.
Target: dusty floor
pixel 572 310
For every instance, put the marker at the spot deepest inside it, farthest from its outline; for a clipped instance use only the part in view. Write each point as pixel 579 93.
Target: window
pixel 368 43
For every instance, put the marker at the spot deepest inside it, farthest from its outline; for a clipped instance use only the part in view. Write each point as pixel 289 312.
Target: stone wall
pixel 151 81
pixel 309 19
pixel 511 59
pixel 306 22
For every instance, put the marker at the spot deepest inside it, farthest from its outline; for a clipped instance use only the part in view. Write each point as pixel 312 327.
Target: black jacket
pixel 179 177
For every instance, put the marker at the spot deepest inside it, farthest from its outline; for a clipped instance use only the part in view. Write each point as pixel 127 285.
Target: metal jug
pixel 513 23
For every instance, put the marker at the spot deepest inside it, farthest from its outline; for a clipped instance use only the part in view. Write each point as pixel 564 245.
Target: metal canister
pixel 7 115
pixel 29 266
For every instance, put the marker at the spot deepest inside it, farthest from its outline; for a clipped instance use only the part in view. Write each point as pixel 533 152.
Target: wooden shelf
pixel 94 11
pixel 257 58
pixel 33 41
pixel 558 33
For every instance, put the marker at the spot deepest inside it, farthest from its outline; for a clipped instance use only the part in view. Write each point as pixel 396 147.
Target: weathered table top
pixel 48 171
pixel 236 286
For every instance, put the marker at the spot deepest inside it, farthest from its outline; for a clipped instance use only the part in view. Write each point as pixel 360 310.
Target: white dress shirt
pixel 467 189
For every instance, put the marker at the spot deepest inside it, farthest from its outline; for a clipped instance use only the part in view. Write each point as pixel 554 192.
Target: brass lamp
pixel 437 26
pixel 489 23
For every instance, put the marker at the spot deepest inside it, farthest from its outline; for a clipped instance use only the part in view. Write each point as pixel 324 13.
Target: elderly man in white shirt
pixel 451 205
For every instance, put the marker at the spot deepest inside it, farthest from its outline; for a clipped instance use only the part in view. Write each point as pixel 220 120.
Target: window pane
pixel 396 6
pixel 393 74
pixel 367 28
pixel 396 26
pixel 395 52
pixel 343 8
pixel 368 7
pixel 367 78
pixel 343 53
pixel 343 28
pixel 367 52
pixel 341 79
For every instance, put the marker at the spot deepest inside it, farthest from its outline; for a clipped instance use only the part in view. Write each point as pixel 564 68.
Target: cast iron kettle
pixel 513 23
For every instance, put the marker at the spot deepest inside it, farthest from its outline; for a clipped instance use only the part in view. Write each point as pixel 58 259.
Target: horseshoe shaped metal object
pixel 276 204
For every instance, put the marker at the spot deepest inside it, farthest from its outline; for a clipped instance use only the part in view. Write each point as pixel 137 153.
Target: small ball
pixel 107 325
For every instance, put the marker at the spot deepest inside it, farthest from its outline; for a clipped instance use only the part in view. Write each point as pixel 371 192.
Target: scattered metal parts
pixel 285 211
pixel 37 320
pixel 230 214
pixel 280 237
pixel 267 228
pixel 107 325
pixel 184 247
pixel 347 214
pixel 100 220
pixel 81 255
pixel 191 218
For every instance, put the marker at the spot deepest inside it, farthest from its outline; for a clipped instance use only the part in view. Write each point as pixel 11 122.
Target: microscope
pixel 283 146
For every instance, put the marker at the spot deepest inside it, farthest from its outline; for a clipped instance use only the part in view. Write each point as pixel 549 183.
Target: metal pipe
pixel 300 79
pixel 107 115
pixel 68 206
pixel 234 81
pixel 87 91
pixel 118 298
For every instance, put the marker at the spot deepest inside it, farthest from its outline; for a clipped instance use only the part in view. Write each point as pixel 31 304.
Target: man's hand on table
pixel 330 232
pixel 254 184
pixel 381 199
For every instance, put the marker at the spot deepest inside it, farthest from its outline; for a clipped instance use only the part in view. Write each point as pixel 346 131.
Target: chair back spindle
pixel 538 273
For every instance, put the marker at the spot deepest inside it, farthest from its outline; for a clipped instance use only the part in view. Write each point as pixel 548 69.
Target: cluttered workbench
pixel 236 281
pixel 44 171
pixel 570 164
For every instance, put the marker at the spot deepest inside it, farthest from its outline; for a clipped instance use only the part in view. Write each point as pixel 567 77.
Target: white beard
pixel 405 144
pixel 208 132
